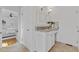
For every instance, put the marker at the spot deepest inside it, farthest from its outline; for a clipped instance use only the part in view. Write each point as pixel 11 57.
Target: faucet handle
pixel 50 22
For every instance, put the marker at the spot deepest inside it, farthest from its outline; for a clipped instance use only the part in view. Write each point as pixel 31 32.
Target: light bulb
pixel 49 10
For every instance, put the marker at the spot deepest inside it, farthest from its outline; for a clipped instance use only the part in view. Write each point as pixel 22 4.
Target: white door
pixel 76 34
pixel 27 27
pixel 0 30
pixel 0 33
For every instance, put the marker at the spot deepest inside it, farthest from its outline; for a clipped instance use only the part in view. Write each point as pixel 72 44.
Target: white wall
pixel 43 16
pixel 0 30
pixel 68 18
pixel 13 8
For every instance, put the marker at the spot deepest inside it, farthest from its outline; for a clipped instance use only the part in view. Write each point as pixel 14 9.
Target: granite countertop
pixel 46 29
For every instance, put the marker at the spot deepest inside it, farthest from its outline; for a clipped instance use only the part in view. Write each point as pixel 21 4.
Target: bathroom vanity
pixel 41 40
pixel 45 40
pixel 37 36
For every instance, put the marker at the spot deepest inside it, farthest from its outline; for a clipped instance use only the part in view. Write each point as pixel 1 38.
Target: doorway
pixel 9 21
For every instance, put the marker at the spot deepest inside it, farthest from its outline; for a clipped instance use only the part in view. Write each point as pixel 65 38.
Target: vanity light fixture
pixel 11 15
pixel 43 7
pixel 49 9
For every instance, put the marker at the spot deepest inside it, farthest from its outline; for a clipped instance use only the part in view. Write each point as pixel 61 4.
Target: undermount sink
pixel 42 27
pixel 47 28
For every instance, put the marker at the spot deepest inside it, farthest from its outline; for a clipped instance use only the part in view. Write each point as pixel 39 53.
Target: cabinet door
pixel 53 38
pixel 40 41
pixel 50 41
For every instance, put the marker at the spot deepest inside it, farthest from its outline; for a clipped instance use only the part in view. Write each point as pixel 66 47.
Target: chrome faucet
pixel 51 24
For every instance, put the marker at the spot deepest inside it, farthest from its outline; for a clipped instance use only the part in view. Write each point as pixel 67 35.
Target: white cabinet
pixel 40 41
pixel 44 41
pixel 50 40
pixel 32 39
